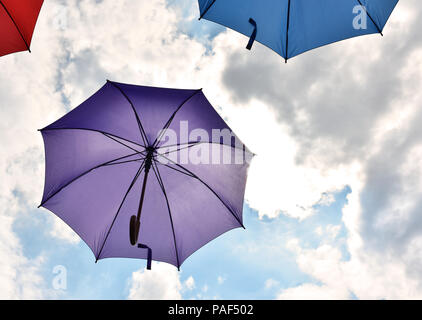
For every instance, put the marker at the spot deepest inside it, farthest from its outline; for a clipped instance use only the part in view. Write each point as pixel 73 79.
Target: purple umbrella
pixel 144 172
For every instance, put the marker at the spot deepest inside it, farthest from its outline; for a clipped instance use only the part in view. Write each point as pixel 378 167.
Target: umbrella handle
pixel 134 230
pixel 134 233
pixel 253 36
pixel 149 259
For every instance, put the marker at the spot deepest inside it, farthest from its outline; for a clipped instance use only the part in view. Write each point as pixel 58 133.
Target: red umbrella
pixel 17 23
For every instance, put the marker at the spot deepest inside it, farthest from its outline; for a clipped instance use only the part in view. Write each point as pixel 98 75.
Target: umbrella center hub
pixel 149 156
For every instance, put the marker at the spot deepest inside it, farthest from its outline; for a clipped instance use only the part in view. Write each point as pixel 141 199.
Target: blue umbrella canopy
pixel 292 27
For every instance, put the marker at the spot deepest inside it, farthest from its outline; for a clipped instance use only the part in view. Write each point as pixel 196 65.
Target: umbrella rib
pixel 195 143
pixel 16 26
pixel 170 167
pixel 287 31
pixel 181 147
pixel 206 10
pixel 160 181
pixel 178 144
pixel 83 174
pixel 123 144
pixel 370 17
pixel 120 207
pixel 107 134
pixel 163 131
pixel 122 162
pixel 206 185
pixel 138 120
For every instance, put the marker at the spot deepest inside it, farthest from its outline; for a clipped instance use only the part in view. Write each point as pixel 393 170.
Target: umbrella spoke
pixel 141 128
pixel 170 167
pixel 180 147
pixel 206 10
pixel 16 26
pixel 122 162
pixel 161 183
pixel 370 17
pixel 123 144
pixel 85 173
pixel 195 143
pixel 107 134
pixel 138 173
pixel 287 31
pixel 177 144
pixel 193 175
pixel 157 140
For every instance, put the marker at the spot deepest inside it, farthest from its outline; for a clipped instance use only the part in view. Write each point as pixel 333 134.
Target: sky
pixel 333 204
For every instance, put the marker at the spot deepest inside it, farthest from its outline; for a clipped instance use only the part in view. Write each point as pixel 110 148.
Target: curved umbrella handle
pixel 149 259
pixel 134 234
pixel 253 36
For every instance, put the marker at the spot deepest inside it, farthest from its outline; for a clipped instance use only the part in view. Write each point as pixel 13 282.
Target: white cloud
pixel 365 276
pixel 189 284
pixel 276 183
pixel 319 231
pixel 312 292
pixel 28 98
pixel 271 283
pixel 19 276
pixel 333 230
pixel 162 282
pixel 142 45
pixel 60 230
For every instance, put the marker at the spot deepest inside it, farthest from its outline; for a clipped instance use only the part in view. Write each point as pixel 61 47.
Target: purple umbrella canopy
pixel 145 172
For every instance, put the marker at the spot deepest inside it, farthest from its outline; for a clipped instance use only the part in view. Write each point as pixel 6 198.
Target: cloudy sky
pixel 333 204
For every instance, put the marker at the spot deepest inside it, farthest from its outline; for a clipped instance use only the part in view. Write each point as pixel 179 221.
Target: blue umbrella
pixel 291 27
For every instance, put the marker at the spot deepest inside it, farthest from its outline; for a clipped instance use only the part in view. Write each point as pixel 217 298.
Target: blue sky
pixel 332 205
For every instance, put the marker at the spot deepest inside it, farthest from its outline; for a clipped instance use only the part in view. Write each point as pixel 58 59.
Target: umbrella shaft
pixel 144 186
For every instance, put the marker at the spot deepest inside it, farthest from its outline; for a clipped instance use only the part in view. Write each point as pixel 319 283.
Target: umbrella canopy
pixel 291 27
pixel 129 166
pixel 17 23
